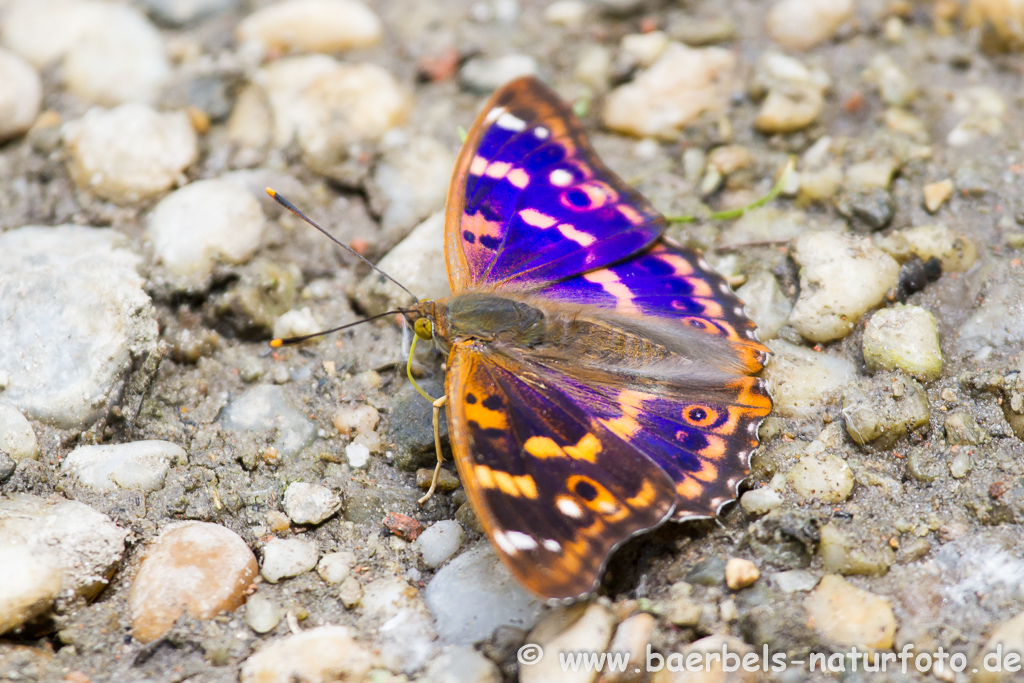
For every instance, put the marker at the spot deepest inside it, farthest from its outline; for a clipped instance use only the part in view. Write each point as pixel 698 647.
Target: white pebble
pixel 31 582
pixel 262 614
pixel 20 97
pixel 312 26
pixel 325 653
pixel 675 90
pixel 413 258
pixel 129 153
pixel 568 13
pixel 357 454
pixel 336 567
pixel 643 49
pixel 203 223
pixel 481 74
pixel 16 436
pixel 297 322
pixel 801 24
pixel 823 477
pixel 803 382
pixel 842 277
pixel 139 465
pixel 70 293
pixel 760 501
pixel 439 542
pixel 956 252
pixel 109 52
pixel 310 503
pixel 360 418
pixel 326 105
pixel 903 338
pixel 284 558
pixel 765 303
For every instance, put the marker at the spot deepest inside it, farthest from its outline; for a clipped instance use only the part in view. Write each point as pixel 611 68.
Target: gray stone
pixel 709 572
pixel 184 12
pixel 882 411
pixel 474 594
pixel 483 75
pixel 267 407
pixel 75 316
pixel 310 503
pixel 765 303
pixel 31 582
pixel 17 439
pixel 284 558
pixel 439 542
pixel 962 429
pixel 7 467
pixel 411 428
pixel 262 613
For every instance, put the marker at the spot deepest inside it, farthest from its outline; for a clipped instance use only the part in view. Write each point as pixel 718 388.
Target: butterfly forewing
pixel 555 490
pixel 530 202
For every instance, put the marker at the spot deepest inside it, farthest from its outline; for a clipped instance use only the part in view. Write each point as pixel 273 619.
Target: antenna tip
pixel 276 343
pixel 272 192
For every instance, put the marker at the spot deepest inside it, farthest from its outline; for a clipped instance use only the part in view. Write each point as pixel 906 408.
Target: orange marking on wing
pixel 690 489
pixel 715 450
pixel 482 476
pixel 623 427
pixel 680 265
pixel 484 417
pixel 707 473
pixel 506 484
pixel 543 447
pixel 527 486
pixel 586 449
pixel 644 498
pixel 604 503
pixel 758 401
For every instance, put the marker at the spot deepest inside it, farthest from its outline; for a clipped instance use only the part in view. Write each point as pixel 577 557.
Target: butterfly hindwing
pixel 555 490
pixel 531 203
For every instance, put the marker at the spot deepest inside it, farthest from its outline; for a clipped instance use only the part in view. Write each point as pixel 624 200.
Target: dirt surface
pixel 945 551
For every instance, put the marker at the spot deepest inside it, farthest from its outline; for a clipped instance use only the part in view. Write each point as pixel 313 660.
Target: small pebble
pixel 960 465
pixel 957 253
pixel 740 573
pixel 350 592
pixel 298 322
pixel 462 664
pixel 446 481
pixel 21 96
pixel 474 594
pixel 684 83
pixel 794 94
pixel 262 613
pixel 409 184
pixel 322 654
pixel 559 633
pixel 70 292
pixel 179 13
pixel 765 304
pixel 129 153
pixel 982 109
pixel 359 418
pixel 310 503
pixel 267 407
pixel 903 338
pixel 412 257
pixel 278 521
pixel 795 580
pixel 760 501
pixel 643 49
pixel 138 465
pixel 803 382
pixel 874 174
pixel 936 194
pixel 882 411
pixel 484 75
pixel 7 466
pixel 802 24
pixel 31 582
pixel 327 105
pixel 17 439
pixel 197 568
pixel 842 277
pixel 439 542
pixel 568 13
pixel 823 477
pixel 357 455
pixel 846 615
pixel 894 86
pixel 963 430
pixel 312 26
pixel 403 526
pixel 1008 637
pixel 202 224
pixel 284 558
pixel 334 568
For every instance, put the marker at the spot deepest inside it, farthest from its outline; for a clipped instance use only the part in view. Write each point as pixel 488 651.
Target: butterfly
pixel 599 381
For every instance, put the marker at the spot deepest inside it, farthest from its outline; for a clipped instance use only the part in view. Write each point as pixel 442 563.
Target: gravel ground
pixel 179 502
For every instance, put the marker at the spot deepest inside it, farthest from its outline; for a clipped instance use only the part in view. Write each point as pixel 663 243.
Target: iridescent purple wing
pixel 530 202
pixel 670 283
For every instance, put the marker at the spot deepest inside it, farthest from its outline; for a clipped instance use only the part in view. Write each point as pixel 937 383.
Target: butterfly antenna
pixel 291 207
pixel 286 341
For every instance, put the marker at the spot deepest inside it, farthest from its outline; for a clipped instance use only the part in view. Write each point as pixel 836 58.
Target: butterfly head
pixel 429 321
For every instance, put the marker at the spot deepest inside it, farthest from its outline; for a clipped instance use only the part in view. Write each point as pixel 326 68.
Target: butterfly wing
pixel 530 202
pixel 555 490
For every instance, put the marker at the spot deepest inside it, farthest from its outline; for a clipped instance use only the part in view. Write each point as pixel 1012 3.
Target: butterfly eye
pixel 423 329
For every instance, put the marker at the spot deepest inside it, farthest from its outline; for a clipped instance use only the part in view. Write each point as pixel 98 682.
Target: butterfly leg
pixel 438 404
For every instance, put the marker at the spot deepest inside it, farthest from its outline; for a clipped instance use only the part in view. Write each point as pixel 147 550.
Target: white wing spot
pixel 497 169
pixel 541 132
pixel 552 546
pixel 494 114
pixel 560 177
pixel 581 238
pixel 569 508
pixel 738 310
pixel 510 122
pixel 520 540
pixel 724 288
pixel 478 166
pixel 504 543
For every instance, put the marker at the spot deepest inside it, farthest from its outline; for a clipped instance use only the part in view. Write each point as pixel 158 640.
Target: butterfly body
pixel 599 382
